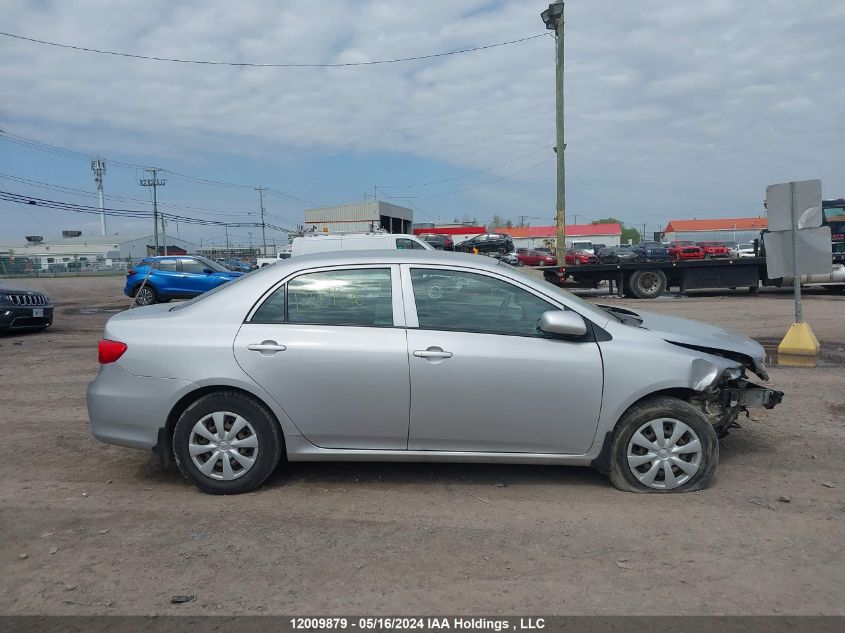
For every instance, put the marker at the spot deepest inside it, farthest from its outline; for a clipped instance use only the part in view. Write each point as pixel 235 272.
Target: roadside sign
pixel 779 204
pixel 814 254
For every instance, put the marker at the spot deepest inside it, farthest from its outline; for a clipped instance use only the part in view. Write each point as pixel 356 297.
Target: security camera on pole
pixel 553 19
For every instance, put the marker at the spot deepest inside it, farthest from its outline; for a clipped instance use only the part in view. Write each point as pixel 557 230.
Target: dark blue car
pixel 178 277
pixel 651 251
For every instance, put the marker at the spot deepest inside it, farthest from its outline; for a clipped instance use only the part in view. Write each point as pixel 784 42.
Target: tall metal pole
pixel 261 191
pixel 154 182
pixel 164 233
pixel 98 166
pixel 796 278
pixel 228 252
pixel 553 18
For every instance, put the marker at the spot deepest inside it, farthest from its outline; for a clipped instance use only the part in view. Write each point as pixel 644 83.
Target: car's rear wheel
pixel 664 444
pixel 145 295
pixel 227 443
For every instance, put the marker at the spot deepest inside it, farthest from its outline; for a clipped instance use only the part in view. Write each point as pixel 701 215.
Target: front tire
pixel 663 445
pixel 227 443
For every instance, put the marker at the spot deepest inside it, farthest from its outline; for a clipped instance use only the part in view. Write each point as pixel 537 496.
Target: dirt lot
pixel 88 528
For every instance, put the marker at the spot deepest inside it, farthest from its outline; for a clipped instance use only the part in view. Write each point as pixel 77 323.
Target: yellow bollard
pixel 799 341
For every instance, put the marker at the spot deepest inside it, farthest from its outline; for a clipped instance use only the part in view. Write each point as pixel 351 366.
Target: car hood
pixel 700 336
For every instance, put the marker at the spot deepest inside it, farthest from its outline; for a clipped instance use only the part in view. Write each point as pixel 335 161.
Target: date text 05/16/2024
pixel 417 623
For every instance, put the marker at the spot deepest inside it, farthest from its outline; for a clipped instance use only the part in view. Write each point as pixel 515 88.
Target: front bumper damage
pixel 725 401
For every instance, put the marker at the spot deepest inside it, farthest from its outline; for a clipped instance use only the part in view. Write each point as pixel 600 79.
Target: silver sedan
pixel 418 356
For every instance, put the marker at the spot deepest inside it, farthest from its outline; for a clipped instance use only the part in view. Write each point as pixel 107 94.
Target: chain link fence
pixel 15 267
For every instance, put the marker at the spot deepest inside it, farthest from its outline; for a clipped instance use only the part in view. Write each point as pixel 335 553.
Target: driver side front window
pixel 469 302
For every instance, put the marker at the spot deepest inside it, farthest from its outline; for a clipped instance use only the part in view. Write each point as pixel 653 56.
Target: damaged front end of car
pixel 732 393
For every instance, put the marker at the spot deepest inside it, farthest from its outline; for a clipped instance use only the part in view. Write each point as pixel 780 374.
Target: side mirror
pixel 563 323
pixel 207 271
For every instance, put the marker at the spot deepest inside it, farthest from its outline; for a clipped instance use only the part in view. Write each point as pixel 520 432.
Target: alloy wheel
pixel 664 453
pixel 223 446
pixel 145 296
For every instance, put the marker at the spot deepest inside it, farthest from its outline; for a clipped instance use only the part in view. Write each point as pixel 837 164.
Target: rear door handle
pixel 432 352
pixel 267 348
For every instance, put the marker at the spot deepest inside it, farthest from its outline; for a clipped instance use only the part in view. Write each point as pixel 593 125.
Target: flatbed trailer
pixel 650 279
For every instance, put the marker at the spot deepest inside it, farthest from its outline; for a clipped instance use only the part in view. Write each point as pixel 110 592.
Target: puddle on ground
pixel 830 355
pixel 98 310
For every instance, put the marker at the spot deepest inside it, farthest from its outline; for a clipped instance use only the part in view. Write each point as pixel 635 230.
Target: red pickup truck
pixel 685 250
pixel 714 249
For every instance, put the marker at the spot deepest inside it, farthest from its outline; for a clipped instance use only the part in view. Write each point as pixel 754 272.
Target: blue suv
pixel 180 277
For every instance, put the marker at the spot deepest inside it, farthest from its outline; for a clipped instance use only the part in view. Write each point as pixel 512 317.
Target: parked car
pixel 236 265
pixel 714 249
pixel 508 258
pixel 733 249
pixel 286 361
pixel 24 310
pixel 584 246
pixel 160 279
pixel 684 249
pixel 617 254
pixel 437 241
pixel 536 258
pixel 487 243
pixel 576 258
pixel 331 242
pixel 650 251
pixel 746 250
pixel 261 262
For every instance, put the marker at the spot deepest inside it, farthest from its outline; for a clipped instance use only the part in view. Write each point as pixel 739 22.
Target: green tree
pixel 628 234
pixel 497 221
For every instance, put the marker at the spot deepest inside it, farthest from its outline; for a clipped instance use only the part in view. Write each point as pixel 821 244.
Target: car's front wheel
pixel 664 444
pixel 227 443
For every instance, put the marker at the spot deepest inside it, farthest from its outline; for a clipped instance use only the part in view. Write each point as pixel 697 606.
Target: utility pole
pixel 98 166
pixel 553 18
pixel 164 233
pixel 154 182
pixel 261 191
pixel 251 252
pixel 228 253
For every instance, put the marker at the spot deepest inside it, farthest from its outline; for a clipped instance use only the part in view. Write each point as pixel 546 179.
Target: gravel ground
pixel 89 528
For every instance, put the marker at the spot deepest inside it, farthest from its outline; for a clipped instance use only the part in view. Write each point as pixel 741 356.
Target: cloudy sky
pixel 674 109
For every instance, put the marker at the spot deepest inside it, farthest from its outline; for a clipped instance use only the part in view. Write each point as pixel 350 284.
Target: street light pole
pixel 553 18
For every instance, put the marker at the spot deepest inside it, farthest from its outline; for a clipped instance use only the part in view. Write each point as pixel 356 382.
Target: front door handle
pixel 267 348
pixel 432 352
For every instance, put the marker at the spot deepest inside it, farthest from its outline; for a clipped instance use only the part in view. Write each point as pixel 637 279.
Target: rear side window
pixel 273 308
pixel 341 297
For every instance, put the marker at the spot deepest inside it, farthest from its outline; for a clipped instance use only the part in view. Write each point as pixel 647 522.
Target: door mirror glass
pixel 207 271
pixel 563 323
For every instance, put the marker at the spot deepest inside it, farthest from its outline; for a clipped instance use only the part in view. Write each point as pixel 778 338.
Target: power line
pixel 478 186
pixel 472 173
pixel 67 153
pixel 124 213
pixel 271 65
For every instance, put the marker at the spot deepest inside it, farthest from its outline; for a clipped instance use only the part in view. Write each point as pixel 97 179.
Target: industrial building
pixel 546 236
pixel 739 230
pixel 74 250
pixel 360 217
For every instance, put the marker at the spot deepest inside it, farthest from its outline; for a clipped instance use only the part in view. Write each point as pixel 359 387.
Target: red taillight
pixel 130 272
pixel 109 351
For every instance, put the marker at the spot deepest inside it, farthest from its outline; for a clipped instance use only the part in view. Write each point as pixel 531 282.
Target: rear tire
pixel 696 448
pixel 145 295
pixel 647 284
pixel 257 440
